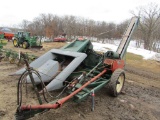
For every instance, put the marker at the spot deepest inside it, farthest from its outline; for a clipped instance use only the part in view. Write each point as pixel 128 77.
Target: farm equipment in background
pixel 2 43
pixel 29 58
pixel 25 40
pixel 76 68
pixel 14 57
pixel 8 34
pixel 1 36
pixel 60 38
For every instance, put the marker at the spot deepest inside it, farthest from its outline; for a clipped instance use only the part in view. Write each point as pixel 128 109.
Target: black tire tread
pixel 111 86
pixel 27 45
pixel 17 43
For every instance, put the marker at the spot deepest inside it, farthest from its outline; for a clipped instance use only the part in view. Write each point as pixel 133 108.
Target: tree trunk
pixel 146 44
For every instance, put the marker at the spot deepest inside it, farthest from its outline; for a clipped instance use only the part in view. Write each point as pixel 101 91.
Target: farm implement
pixel 7 34
pixel 3 42
pixel 76 69
pixel 10 55
pixel 25 40
pixel 14 58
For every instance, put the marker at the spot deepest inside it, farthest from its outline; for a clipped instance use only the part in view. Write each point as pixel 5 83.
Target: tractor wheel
pixel 116 83
pixel 25 45
pixel 15 43
pixel 12 61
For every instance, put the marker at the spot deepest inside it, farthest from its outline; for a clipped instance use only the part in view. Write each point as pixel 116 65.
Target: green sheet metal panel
pixel 78 46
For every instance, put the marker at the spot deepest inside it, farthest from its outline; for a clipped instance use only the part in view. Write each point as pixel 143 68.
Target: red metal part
pixel 80 38
pixel 7 35
pixel 63 100
pixel 115 64
pixel 59 39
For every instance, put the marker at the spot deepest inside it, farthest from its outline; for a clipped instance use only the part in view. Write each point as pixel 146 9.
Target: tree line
pixel 50 25
pixel 148 31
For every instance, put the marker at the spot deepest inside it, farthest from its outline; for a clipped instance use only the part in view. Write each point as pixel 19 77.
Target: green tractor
pixel 25 40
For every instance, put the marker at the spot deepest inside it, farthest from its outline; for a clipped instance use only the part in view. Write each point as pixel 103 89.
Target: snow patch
pixel 146 54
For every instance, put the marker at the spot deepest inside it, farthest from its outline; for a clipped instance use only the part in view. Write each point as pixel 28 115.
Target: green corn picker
pixel 25 40
pixel 77 70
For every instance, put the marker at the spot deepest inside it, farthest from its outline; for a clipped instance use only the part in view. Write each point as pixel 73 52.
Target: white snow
pixel 146 54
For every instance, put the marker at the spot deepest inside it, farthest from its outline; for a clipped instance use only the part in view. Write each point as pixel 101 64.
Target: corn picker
pixel 76 69
pixel 25 40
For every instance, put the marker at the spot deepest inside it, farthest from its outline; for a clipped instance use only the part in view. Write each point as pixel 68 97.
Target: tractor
pixel 25 40
pixel 75 69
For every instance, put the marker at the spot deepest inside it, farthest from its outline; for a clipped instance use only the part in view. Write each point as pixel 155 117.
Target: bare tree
pixel 50 25
pixel 24 25
pixel 149 24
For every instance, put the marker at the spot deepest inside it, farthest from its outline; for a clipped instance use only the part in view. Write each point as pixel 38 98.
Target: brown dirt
pixel 140 99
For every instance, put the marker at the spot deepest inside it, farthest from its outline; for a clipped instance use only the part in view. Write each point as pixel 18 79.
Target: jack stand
pixel 93 100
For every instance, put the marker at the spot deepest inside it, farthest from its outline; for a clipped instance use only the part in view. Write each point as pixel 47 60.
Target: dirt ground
pixel 140 99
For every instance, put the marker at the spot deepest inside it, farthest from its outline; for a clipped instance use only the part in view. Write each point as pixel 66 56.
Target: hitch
pixel 93 100
pixel 28 111
pixel 26 114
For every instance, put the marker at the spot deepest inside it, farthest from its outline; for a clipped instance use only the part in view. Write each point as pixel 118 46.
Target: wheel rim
pixel 24 45
pixel 15 42
pixel 12 61
pixel 120 83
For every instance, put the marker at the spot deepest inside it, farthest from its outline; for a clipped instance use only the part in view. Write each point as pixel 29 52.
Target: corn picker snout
pixel 76 69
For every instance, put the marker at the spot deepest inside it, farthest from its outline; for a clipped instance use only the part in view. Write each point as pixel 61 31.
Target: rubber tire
pixel 25 45
pixel 15 43
pixel 112 85
pixel 12 61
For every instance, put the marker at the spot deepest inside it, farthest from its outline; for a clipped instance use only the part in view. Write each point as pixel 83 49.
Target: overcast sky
pixel 12 12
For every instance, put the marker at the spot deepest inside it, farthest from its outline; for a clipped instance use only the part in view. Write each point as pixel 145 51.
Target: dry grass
pixel 46 47
pixel 138 62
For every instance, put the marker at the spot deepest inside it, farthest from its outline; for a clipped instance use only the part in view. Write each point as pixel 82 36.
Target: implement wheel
pixel 15 43
pixel 25 45
pixel 116 83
